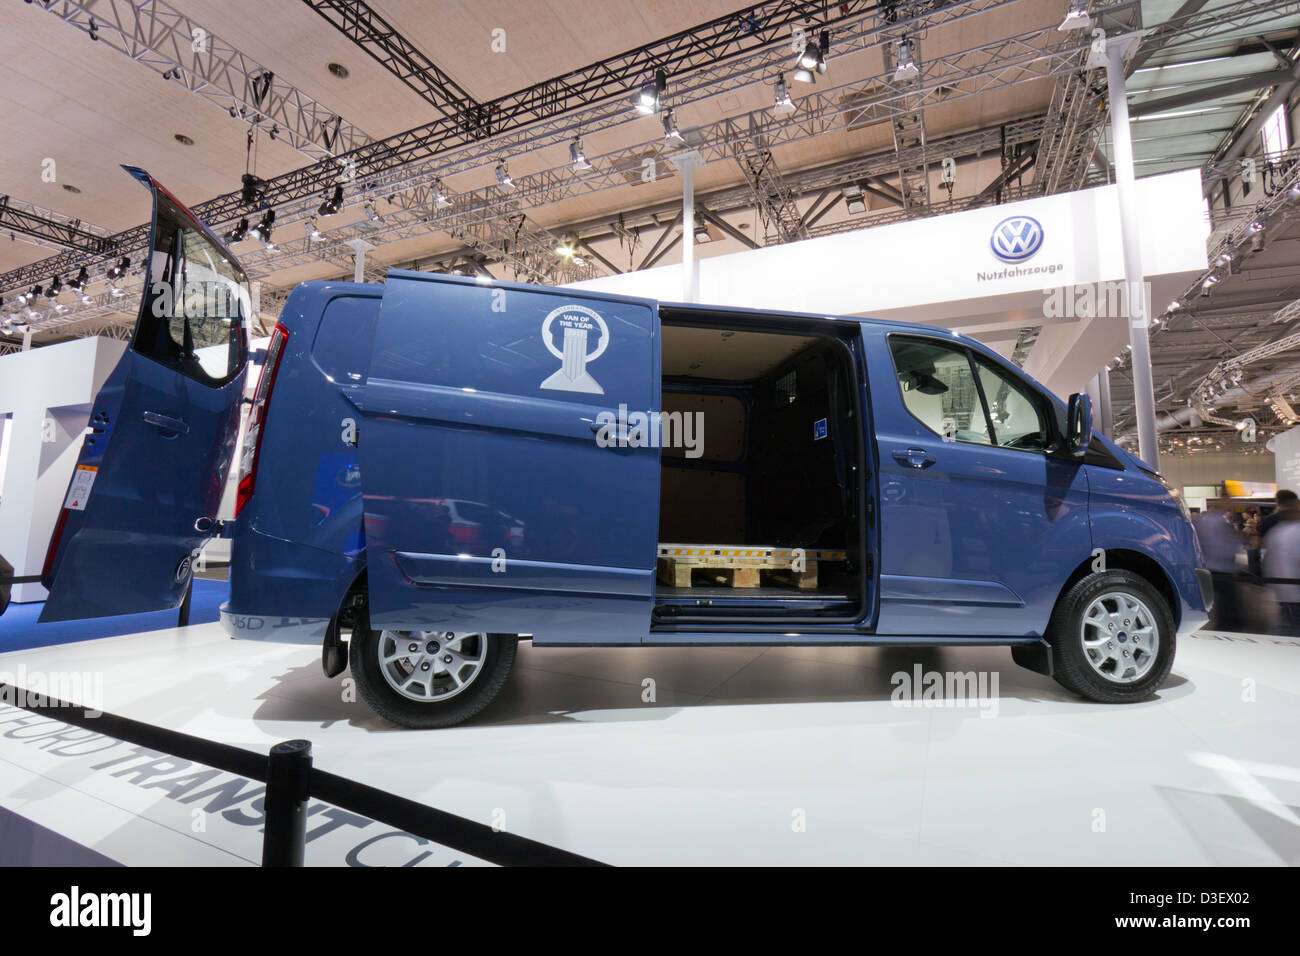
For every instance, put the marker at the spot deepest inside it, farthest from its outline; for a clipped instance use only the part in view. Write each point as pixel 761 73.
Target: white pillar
pixel 1144 399
pixel 360 247
pixel 686 164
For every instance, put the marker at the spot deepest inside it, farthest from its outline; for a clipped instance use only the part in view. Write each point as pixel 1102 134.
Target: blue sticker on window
pixel 819 429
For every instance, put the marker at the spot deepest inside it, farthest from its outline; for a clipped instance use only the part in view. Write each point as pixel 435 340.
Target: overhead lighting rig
pixel 907 70
pixel 783 106
pixel 646 99
pixel 672 135
pixel 577 157
pixel 332 204
pixel 1077 17
pixel 811 62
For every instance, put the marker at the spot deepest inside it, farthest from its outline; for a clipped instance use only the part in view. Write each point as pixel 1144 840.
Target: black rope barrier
pixel 291 780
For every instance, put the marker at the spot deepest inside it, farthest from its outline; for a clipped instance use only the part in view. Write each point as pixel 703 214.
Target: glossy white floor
pixel 746 756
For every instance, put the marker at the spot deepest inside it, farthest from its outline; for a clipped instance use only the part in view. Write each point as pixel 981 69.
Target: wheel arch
pixel 1127 559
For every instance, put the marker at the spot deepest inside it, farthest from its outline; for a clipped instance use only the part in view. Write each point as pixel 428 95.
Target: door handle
pixel 165 423
pixel 622 437
pixel 913 457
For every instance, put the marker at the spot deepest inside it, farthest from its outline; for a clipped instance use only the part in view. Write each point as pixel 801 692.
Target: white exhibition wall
pixel 1286 459
pixel 45 402
pixel 942 271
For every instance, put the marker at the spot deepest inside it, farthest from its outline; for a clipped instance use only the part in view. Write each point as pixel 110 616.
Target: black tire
pixel 383 698
pixel 1071 666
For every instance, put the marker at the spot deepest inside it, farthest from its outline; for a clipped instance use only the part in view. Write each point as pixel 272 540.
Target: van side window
pixel 1015 411
pixel 939 388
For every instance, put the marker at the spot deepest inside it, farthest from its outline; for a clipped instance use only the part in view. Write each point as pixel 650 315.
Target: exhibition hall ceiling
pixel 1003 93
pixel 91 108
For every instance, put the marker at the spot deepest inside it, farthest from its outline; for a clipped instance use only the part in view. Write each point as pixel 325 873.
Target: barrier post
pixel 288 785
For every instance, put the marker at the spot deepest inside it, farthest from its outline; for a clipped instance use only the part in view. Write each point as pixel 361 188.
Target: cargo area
pixel 760 464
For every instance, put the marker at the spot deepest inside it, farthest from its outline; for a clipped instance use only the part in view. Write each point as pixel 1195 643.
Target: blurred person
pixel 1220 542
pixel 1282 561
pixel 1286 501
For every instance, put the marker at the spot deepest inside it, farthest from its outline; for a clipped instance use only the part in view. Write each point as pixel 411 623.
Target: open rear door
pixel 492 503
pixel 144 496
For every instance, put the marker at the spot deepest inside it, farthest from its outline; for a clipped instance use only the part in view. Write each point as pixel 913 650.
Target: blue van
pixel 436 466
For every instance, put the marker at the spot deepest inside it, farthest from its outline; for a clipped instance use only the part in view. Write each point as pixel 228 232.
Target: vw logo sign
pixel 1017 238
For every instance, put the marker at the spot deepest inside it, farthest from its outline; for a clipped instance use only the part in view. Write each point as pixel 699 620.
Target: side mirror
pixel 1078 434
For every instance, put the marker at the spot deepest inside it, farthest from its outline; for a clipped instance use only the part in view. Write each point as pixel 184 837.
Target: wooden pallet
pixel 739 567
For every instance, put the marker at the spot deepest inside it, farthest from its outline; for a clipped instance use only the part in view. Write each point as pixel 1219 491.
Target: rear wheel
pixel 426 679
pixel 1113 638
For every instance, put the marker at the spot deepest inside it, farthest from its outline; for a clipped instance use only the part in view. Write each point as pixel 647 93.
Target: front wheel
pixel 1113 638
pixel 426 679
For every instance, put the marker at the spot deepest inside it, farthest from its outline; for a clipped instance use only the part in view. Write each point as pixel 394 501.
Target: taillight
pixel 48 568
pixel 257 418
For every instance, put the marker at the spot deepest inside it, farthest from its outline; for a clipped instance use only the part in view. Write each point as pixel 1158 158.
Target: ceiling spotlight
pixel 1077 17
pixel 702 234
pixel 239 232
pixel 372 213
pixel 263 228
pixel 313 230
pixel 567 248
pixel 119 269
pixel 576 155
pixel 854 201
pixel 56 287
pixel 812 61
pixel 27 298
pixel 440 200
pixel 252 190
pixel 907 69
pixel 672 135
pixel 333 204
pixel 646 99
pixel 503 176
pixel 783 105
pixel 79 284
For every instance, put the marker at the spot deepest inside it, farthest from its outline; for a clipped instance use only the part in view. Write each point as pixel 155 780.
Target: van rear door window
pixel 195 303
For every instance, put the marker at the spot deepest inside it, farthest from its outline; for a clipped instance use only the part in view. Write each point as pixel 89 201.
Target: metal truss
pixel 774 200
pixel 445 147
pixel 386 45
pixel 1078 112
pixel 528 250
pixel 989 66
pixel 908 124
pixel 419 217
pixel 50 229
pixel 174 46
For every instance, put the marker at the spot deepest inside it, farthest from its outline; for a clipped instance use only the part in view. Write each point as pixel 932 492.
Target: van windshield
pixel 195 303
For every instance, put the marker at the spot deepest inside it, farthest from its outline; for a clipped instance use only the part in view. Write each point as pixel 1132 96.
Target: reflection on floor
pixel 698 755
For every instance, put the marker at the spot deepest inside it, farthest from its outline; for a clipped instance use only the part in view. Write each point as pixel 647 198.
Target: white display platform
pixel 740 747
